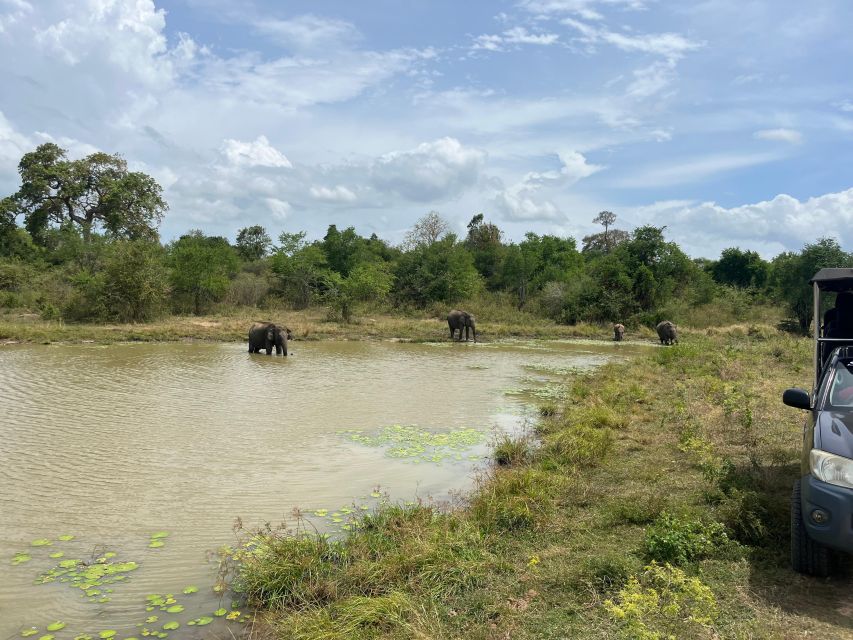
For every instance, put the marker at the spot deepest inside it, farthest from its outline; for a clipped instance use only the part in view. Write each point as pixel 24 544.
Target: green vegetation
pixel 78 244
pixel 651 502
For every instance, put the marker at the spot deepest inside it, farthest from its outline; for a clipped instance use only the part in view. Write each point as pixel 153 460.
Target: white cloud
pixel 779 135
pixel 516 35
pixel 587 9
pixel 667 45
pixel 694 169
pixel 769 227
pixel 280 209
pixel 11 11
pixel 336 194
pixel 307 32
pixel 432 171
pixel 259 153
pixel 519 205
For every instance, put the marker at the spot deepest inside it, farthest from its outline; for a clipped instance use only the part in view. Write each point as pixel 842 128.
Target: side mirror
pixel 797 398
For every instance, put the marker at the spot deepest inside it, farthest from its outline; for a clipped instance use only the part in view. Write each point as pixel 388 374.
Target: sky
pixel 728 121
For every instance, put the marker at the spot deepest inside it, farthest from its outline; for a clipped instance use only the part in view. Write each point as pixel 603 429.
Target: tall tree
pixel 202 267
pixel 484 243
pixel 95 191
pixel 427 231
pixel 606 219
pixel 253 243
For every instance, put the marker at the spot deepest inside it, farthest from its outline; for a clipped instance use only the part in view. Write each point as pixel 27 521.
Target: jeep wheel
pixel 807 556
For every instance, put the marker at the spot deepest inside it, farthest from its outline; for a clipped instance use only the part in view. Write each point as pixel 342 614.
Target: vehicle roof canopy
pixel 834 279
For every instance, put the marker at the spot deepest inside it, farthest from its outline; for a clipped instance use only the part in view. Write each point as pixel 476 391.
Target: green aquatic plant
pixel 31 631
pixel 413 442
pixel 65 538
pixel 190 589
pixel 41 542
pixel 57 554
pixel 220 612
pixel 107 634
pixel 21 557
pixel 175 608
pixel 171 626
pixel 56 626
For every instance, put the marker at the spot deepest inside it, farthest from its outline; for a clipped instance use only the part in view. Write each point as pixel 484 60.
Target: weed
pixel 680 540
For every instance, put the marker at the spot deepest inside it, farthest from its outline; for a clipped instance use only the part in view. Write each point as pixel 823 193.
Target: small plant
pixel 510 451
pixel 678 541
pixel 663 603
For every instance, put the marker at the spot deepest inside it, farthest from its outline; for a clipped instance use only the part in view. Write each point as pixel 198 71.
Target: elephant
pixel 266 335
pixel 618 332
pixel 461 320
pixel 667 333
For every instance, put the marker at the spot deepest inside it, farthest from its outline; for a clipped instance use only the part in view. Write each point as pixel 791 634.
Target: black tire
pixel 807 556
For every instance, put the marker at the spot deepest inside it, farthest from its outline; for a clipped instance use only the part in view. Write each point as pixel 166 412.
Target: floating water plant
pixel 57 554
pixel 21 557
pixel 56 626
pixel 41 542
pixel 106 635
pixel 66 538
pixel 31 631
pixel 171 626
pixel 190 589
pixel 220 612
pixel 413 442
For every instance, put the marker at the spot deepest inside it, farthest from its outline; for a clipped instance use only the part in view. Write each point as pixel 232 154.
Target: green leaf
pixel 220 612
pixel 48 636
pixel 41 542
pixel 65 538
pixel 106 635
pixel 191 589
pixel 21 557
pixel 26 633
pixel 57 554
pixel 155 544
pixel 171 626
pixel 56 626
pixel 175 608
pixel 203 620
pixel 159 534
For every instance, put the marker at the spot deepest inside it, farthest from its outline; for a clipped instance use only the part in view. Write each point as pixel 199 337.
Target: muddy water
pixel 111 444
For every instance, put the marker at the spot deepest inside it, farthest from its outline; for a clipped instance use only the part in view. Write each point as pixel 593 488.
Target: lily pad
pixel 106 635
pixel 156 544
pixel 41 542
pixel 26 633
pixel 21 557
pixel 159 535
pixel 151 619
pixel 66 538
pixel 48 636
pixel 220 612
pixel 57 554
pixel 56 626
pixel 191 589
pixel 204 620
pixel 171 626
pixel 175 608
pixel 83 636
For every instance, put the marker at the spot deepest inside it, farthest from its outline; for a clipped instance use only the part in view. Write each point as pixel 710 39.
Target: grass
pixel 685 456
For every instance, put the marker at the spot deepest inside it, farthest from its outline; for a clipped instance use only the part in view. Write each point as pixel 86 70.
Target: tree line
pixel 79 240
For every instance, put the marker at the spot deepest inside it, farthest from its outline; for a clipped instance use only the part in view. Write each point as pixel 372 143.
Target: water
pixel 114 443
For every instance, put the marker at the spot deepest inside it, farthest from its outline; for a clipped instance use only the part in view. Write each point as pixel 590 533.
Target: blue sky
pixel 729 121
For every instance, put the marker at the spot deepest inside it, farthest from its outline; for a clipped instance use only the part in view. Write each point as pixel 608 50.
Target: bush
pixel 664 603
pixel 247 290
pixel 134 284
pixel 677 541
pixel 511 451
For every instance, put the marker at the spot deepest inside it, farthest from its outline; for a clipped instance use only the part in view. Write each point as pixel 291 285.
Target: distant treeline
pixel 79 241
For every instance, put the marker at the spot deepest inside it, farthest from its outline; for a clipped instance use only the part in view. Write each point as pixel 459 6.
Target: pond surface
pixel 116 444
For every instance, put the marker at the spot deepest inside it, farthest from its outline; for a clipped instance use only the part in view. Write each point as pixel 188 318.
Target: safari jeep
pixel 822 500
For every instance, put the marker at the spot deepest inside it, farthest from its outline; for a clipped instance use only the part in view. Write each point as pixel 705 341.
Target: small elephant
pixel 667 332
pixel 461 320
pixel 618 332
pixel 266 335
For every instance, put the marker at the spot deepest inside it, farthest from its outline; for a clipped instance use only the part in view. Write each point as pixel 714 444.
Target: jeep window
pixel 841 387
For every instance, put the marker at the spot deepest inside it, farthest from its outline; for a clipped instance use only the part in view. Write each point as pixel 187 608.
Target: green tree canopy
pixel 741 269
pixel 253 243
pixel 202 267
pixel 440 272
pixel 94 192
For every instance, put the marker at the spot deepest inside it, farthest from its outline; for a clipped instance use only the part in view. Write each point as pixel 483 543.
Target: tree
pixel 441 272
pixel 345 249
pixel 95 191
pixel 202 267
pixel 301 269
pixel 606 219
pixel 253 243
pixel 604 242
pixel 135 281
pixel 791 272
pixel 484 243
pixel 741 269
pixel 369 281
pixel 427 231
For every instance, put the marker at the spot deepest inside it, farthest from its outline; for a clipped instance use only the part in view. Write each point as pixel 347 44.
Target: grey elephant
pixel 667 332
pixel 618 332
pixel 461 320
pixel 268 336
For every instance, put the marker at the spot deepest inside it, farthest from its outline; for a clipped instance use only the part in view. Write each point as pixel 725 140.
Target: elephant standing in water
pixel 667 333
pixel 618 332
pixel 461 320
pixel 266 335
